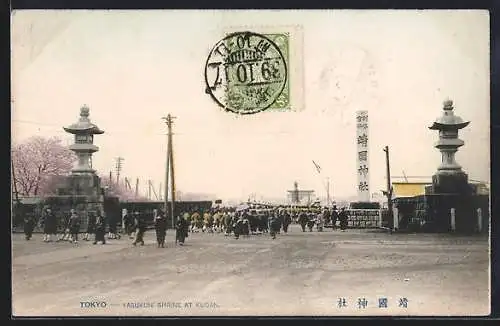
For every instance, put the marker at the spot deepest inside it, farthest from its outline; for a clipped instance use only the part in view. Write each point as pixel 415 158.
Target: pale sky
pixel 133 67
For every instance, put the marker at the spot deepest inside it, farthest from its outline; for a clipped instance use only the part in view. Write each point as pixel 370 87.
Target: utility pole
pixel 159 193
pixel 136 187
pixel 14 181
pixel 149 189
pixel 119 161
pixel 388 191
pixel 327 192
pixel 169 120
pixel 15 205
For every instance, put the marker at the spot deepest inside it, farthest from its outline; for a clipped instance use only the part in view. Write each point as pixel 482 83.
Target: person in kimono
pixel 90 226
pixel 303 220
pixel 112 226
pixel 237 226
pixel 29 225
pixel 287 220
pixel 160 228
pixel 49 221
pixel 141 225
pixel 310 221
pixel 343 219
pixel 319 222
pixel 181 230
pixel 74 226
pixel 334 217
pixel 128 220
pixel 274 225
pixel 100 228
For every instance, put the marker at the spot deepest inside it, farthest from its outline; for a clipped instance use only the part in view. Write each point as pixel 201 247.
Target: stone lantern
pixel 84 147
pixel 449 177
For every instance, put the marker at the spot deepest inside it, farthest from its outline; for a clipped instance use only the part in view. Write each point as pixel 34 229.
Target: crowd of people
pixel 229 221
pixel 268 220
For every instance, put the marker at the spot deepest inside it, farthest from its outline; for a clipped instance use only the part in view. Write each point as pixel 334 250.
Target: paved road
pixel 296 274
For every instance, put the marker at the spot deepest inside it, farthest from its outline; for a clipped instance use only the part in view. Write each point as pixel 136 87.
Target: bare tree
pixel 37 162
pixel 120 190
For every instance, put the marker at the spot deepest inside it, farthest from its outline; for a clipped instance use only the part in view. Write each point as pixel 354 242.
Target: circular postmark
pixel 245 72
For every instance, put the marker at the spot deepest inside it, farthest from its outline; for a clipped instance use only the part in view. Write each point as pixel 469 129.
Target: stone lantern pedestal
pixel 82 189
pixel 450 198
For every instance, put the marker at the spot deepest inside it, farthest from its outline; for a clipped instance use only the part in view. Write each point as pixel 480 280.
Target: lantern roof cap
pixel 448 121
pixel 83 125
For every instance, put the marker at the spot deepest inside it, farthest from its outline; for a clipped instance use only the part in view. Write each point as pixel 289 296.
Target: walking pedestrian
pixel 335 217
pixel 274 225
pixel 319 222
pixel 160 228
pixel 343 219
pixel 310 221
pixel 100 228
pixel 74 226
pixel 181 230
pixel 90 226
pixel 128 220
pixel 227 223
pixel 287 220
pixel 29 225
pixel 49 221
pixel 303 220
pixel 112 228
pixel 140 226
pixel 237 226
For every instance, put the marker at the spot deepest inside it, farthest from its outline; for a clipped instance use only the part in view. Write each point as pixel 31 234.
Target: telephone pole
pixel 16 193
pixel 388 191
pixel 119 161
pixel 327 192
pixel 169 169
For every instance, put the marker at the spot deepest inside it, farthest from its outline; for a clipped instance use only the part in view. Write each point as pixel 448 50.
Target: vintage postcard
pixel 250 163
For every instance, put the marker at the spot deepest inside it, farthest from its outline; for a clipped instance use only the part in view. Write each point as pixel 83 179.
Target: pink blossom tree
pixel 37 164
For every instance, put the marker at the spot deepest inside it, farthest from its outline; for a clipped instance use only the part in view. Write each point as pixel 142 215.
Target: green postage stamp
pixel 254 70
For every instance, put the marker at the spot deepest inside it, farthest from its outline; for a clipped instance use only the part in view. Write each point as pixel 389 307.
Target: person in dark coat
pixel 334 217
pixel 228 225
pixel 238 226
pixel 274 225
pixel 303 220
pixel 181 230
pixel 29 225
pixel 160 228
pixel 74 226
pixel 112 232
pixel 90 226
pixel 287 220
pixel 326 216
pixel 140 225
pixel 100 228
pixel 310 221
pixel 49 225
pixel 343 219
pixel 128 220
